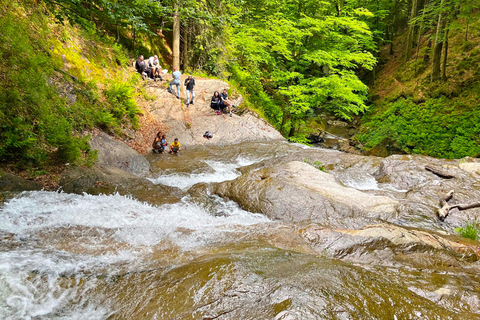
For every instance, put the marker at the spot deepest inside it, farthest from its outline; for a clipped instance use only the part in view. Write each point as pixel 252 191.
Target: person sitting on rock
pixel 216 103
pixel 164 143
pixel 225 101
pixel 190 85
pixel 141 68
pixel 176 81
pixel 154 65
pixel 175 147
pixel 157 143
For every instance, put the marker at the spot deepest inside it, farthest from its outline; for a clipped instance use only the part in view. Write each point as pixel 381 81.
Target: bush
pixel 439 127
pixel 470 230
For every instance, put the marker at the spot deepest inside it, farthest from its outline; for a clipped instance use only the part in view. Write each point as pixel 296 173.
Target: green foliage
pixel 37 125
pixel 470 230
pixel 438 127
pixel 298 61
pixel 120 96
pixel 317 164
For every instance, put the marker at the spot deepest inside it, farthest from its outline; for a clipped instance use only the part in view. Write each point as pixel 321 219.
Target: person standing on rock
pixel 190 85
pixel 176 81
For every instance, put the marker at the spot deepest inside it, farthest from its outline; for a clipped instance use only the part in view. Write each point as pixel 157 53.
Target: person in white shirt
pixel 154 65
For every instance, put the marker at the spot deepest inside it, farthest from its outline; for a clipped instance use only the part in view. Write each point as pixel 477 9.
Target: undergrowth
pixel 57 82
pixel 438 127
pixel 470 230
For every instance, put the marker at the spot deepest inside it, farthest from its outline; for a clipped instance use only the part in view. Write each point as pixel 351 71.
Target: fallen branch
pixel 438 172
pixel 445 207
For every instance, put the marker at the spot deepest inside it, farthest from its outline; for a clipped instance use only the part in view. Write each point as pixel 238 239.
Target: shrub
pixel 470 230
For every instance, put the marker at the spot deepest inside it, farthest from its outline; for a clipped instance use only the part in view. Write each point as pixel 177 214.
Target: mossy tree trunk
pixel 411 31
pixel 445 55
pixel 438 45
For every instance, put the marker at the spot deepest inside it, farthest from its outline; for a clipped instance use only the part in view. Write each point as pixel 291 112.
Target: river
pixel 81 256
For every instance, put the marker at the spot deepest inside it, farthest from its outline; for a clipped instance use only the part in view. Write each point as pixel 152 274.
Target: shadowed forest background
pixel 404 72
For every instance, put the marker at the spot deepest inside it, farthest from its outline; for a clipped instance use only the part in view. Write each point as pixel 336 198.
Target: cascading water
pixel 69 256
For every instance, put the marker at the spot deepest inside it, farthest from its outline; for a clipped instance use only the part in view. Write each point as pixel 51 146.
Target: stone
pixel 297 192
pixel 119 155
pixel 387 244
pixel 471 167
pixel 188 124
pixel 12 183
pixel 108 180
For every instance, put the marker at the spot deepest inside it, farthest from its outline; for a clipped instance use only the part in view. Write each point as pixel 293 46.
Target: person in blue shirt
pixel 176 81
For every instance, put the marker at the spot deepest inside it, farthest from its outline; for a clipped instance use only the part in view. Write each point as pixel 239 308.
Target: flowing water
pixel 69 256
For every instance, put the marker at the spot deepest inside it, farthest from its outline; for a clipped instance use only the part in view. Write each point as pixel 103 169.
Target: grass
pixel 470 230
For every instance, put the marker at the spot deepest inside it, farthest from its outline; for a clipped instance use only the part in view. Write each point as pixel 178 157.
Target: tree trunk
pixel 445 56
pixel 185 46
pixel 176 37
pixel 437 48
pixel 411 31
pixel 466 31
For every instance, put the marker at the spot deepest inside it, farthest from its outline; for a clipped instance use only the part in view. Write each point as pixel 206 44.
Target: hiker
pixel 216 103
pixel 225 101
pixel 141 67
pixel 157 143
pixel 190 85
pixel 208 135
pixel 154 65
pixel 176 81
pixel 175 146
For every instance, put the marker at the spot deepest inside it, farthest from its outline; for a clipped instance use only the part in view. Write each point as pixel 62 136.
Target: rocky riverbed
pixel 260 229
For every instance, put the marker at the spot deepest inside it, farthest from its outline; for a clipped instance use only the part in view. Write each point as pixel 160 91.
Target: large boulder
pixel 108 180
pixel 12 183
pixel 385 244
pixel 119 155
pixel 297 191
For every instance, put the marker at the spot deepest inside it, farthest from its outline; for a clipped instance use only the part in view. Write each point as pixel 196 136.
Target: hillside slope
pixel 411 114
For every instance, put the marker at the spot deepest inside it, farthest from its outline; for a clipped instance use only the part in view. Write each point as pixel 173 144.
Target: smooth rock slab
pixel 297 191
pixel 117 154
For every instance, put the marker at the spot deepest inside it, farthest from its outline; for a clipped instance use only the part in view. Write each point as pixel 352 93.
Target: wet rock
pixel 296 191
pixel 390 245
pixel 117 154
pixel 13 183
pixel 108 180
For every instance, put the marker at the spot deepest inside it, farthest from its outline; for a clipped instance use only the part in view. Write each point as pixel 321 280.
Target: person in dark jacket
pixel 216 103
pixel 190 84
pixel 141 67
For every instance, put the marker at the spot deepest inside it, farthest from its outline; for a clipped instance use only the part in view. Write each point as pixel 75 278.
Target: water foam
pixel 38 280
pixel 35 283
pixel 220 171
pixel 132 221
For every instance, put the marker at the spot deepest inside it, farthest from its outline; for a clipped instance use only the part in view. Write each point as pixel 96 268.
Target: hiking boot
pixel 191 102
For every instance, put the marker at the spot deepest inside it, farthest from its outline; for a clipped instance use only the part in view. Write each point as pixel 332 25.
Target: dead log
pixel 445 207
pixel 438 172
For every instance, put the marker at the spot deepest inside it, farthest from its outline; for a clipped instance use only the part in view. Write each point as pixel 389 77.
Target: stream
pixel 108 256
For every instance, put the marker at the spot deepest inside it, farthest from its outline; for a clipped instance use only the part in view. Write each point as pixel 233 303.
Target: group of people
pixel 160 144
pixel 149 69
pixel 220 102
